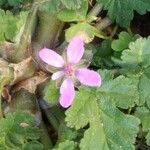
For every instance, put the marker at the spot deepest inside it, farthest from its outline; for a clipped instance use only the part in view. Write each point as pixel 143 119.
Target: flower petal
pixel 75 50
pixel 57 75
pixel 88 77
pixel 50 57
pixel 67 92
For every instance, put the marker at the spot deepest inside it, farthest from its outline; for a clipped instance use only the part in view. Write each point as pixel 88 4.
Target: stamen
pixel 68 69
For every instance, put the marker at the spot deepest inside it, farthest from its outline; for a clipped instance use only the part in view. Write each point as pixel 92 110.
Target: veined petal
pixel 75 50
pixel 67 93
pixel 88 77
pixel 50 57
pixel 57 75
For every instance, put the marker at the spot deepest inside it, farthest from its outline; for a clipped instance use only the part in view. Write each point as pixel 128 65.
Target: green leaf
pixel 2 2
pixel 51 93
pixel 14 140
pixel 73 4
pixel 78 113
pixel 10 25
pixel 102 51
pixel 67 15
pixel 14 2
pixel 17 128
pixel 147 72
pixel 66 133
pixel 66 145
pixel 109 128
pixel 50 5
pixel 144 114
pixel 138 53
pixel 122 11
pixel 33 146
pixel 144 86
pixel 124 95
pixel 83 28
pixel 123 42
pixel 56 5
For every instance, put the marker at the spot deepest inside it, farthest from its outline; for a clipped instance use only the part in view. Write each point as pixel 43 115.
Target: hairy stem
pixel 45 139
pixel 103 23
pixel 95 10
pixel 22 50
pixel 54 115
pixel 49 28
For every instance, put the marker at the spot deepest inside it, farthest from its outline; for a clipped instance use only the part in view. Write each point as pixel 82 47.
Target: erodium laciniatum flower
pixel 69 71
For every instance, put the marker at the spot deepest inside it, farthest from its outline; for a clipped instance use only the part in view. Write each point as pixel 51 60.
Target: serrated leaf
pixel 138 53
pixel 50 5
pixel 109 129
pixel 51 93
pixel 67 15
pixel 66 145
pixel 66 133
pixel 144 114
pixel 10 25
pixel 122 11
pixel 2 2
pixel 17 128
pixel 78 115
pixel 124 95
pixel 55 5
pixel 73 4
pixel 123 41
pixel 14 2
pixel 14 140
pixel 147 72
pixel 102 51
pixel 33 146
pixel 83 28
pixel 144 86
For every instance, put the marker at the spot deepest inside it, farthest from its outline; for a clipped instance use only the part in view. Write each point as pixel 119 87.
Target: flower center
pixel 68 69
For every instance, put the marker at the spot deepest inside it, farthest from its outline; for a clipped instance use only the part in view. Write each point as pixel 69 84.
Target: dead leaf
pixel 4 67
pixel 6 94
pixel 31 84
pixel 23 70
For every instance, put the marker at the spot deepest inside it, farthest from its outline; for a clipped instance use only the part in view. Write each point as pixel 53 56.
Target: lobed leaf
pixel 16 129
pixel 10 25
pixel 144 114
pixel 51 93
pixel 68 15
pixel 83 27
pixel 122 11
pixel 123 42
pixel 109 128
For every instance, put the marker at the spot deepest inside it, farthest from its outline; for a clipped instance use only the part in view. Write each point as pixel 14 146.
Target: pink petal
pixel 75 50
pixel 57 75
pixel 50 57
pixel 67 92
pixel 88 77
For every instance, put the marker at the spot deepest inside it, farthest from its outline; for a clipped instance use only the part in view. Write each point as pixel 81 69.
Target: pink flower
pixel 68 70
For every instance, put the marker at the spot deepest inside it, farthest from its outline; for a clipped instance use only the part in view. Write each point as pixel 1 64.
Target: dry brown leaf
pixel 6 94
pixel 6 49
pixel 4 68
pixel 31 84
pixel 23 70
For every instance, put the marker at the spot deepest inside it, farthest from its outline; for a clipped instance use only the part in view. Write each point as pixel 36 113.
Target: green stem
pixel 45 139
pixel 54 115
pixel 23 44
pixel 49 28
pixel 104 23
pixel 1 113
pixel 114 31
pixel 130 31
